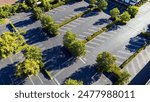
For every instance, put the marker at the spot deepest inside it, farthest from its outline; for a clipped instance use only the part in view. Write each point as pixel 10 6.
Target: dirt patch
pixel 7 2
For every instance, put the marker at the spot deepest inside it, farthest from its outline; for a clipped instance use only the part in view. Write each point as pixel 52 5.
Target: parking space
pixel 138 65
pixel 67 11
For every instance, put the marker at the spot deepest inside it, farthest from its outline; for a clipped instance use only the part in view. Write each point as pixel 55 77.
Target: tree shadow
pixel 111 77
pixel 102 21
pixel 135 43
pixel 113 28
pixel 92 13
pixel 35 35
pixel 114 5
pixel 8 26
pixel 81 8
pixel 7 76
pixel 88 74
pixel 142 77
pixel 57 58
pixel 25 22
pixel 148 28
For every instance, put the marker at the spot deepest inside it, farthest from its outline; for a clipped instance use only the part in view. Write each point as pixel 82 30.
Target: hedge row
pixel 48 74
pixel 75 17
pixel 132 57
pixel 13 27
pixel 89 38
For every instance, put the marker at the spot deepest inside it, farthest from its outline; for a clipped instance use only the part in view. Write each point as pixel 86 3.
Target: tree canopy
pixel 11 43
pixel 106 62
pixel 102 5
pixel 73 82
pixel 133 10
pixel 114 13
pixel 27 67
pixel 125 17
pixel 76 47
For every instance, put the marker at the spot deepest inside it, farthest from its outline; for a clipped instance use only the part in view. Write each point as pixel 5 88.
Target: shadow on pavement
pixel 26 22
pixel 57 58
pixel 88 74
pixel 93 13
pixel 113 28
pixel 102 21
pixel 111 77
pixel 35 35
pixel 135 43
pixel 7 76
pixel 81 9
pixel 142 77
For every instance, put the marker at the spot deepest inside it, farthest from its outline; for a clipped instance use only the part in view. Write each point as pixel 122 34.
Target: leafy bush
pixel 11 43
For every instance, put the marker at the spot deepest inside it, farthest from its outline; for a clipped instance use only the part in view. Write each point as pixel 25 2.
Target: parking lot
pixel 118 40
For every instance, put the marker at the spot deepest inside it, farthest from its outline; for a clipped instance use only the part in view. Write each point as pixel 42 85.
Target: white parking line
pixel 67 61
pixel 31 80
pixel 58 72
pixel 133 67
pixel 88 33
pixel 147 53
pixel 56 81
pixel 80 21
pixel 143 58
pixel 40 79
pixel 58 21
pixel 62 30
pixel 67 28
pixel 82 60
pixel 76 23
pixel 67 17
pixel 91 30
pixel 71 25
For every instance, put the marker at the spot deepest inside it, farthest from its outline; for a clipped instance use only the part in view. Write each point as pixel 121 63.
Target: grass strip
pixel 90 37
pixel 75 17
pixel 132 57
pixel 13 27
pixel 48 74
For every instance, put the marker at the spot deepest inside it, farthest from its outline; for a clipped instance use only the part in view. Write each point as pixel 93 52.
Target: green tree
pixel 114 13
pixel 68 38
pixel 73 82
pixel 31 3
pixel 123 79
pixel 77 48
pixel 27 67
pixel 49 25
pixel 37 12
pixel 133 10
pixel 53 29
pixel 106 62
pixel 125 17
pixel 46 5
pixel 102 5
pixel 93 2
pixel 10 43
pixel 46 20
